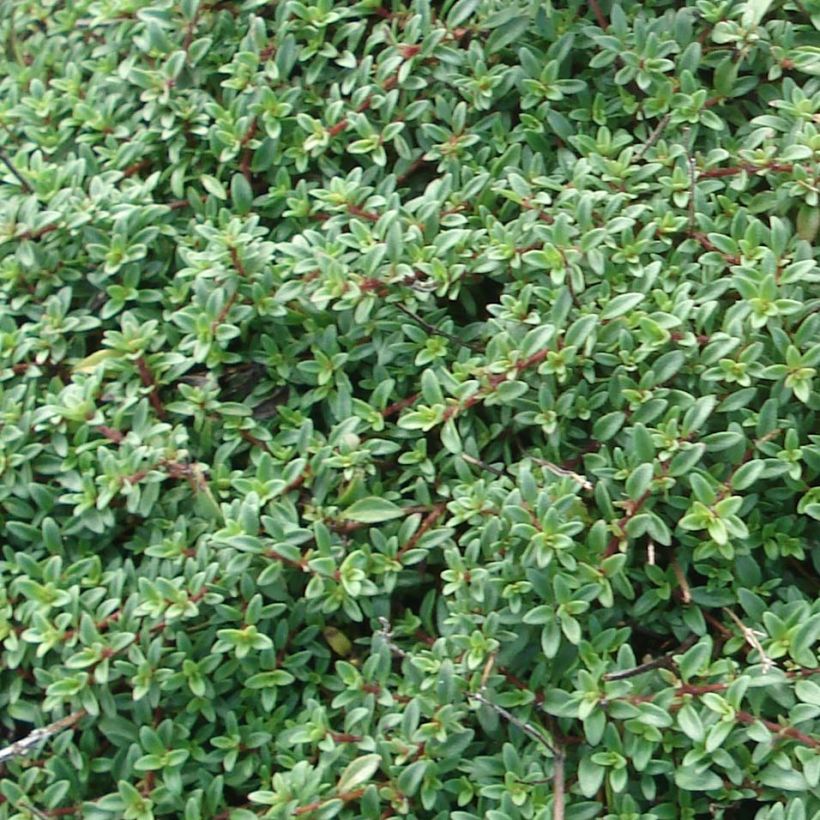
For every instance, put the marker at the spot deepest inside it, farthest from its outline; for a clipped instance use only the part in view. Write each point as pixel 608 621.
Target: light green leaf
pixel 621 304
pixel 360 771
pixel 507 33
pixel 372 510
pixel 461 11
pixel 694 781
pixel 213 186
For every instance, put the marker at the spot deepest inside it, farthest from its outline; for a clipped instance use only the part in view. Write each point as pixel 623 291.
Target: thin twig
pixel 654 136
pixel 25 745
pixel 692 180
pixel 585 483
pixel 685 591
pixel 527 728
pixel 414 166
pixel 663 662
pixel 436 330
pixel 41 814
pixel 558 786
pixel 558 776
pixel 398 406
pixel 386 634
pixel 781 729
pixel 149 380
pixel 483 464
pixel 749 168
pixel 751 638
pixel 488 670
pixel 632 509
pixel 425 525
pixel 6 160
pixel 725 632
pixel 600 17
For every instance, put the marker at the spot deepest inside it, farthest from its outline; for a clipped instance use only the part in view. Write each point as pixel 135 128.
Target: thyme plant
pixel 409 409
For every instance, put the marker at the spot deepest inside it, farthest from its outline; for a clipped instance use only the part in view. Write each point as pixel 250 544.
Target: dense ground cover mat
pixel 409 409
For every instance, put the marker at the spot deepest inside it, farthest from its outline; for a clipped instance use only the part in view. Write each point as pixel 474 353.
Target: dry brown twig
pixel 437 331
pixel 663 662
pixel 558 777
pixel 654 136
pixel 685 591
pixel 386 634
pixel 483 464
pixel 584 482
pixel 27 744
pixel 6 160
pixel 526 728
pixel 751 638
pixel 693 177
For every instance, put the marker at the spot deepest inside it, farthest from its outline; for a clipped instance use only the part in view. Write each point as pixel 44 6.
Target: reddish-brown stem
pixel 600 17
pixel 778 729
pixel 415 165
pixel 747 718
pixel 700 689
pixel 707 245
pixel 344 737
pixel 240 269
pixel 355 210
pixel 297 482
pixel 111 434
pixel 398 406
pixel 39 233
pixel 346 797
pixel 148 380
pixel 300 564
pixel 542 215
pixel 148 783
pixel 190 30
pixel 136 477
pixel 249 134
pixel 337 129
pixel 425 525
pixel 237 262
pixel 493 383
pixel 135 168
pixel 226 309
pixel 101 625
pixel 245 163
pixel 747 456
pixel 252 439
pixel 780 167
pixel 632 510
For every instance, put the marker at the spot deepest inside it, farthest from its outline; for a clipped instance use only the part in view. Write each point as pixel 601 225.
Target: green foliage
pixel 410 409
